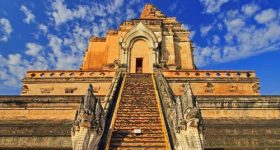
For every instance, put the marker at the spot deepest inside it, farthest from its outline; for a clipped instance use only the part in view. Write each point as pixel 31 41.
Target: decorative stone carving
pixel 46 90
pixel 188 122
pixel 89 123
pixel 96 89
pixel 233 88
pixel 256 88
pixel 209 88
pixel 140 30
pixel 24 89
pixel 70 89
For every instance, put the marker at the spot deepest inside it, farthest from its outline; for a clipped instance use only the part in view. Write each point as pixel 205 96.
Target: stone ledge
pixel 247 102
pixel 42 98
pixel 211 79
pixel 67 79
pixel 39 98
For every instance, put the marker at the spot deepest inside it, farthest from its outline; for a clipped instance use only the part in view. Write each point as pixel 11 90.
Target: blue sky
pixel 53 34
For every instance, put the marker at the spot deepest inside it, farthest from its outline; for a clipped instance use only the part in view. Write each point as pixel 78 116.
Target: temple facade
pixel 138 88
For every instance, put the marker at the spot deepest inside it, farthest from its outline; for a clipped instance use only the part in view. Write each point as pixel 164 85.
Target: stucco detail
pixel 139 32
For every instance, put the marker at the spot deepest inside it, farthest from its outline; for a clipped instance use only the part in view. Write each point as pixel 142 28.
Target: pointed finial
pixel 90 88
pixel 151 12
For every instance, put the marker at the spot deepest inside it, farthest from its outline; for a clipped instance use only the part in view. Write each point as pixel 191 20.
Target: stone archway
pixel 139 38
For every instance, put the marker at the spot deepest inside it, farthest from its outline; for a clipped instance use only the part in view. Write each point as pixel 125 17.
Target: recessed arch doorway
pixel 140 57
pixel 139 50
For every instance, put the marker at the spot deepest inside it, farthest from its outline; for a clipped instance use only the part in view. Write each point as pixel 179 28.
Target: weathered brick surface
pixel 242 133
pixel 35 134
pixel 239 107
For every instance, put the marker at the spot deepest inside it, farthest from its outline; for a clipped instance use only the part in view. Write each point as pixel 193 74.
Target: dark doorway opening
pixel 139 65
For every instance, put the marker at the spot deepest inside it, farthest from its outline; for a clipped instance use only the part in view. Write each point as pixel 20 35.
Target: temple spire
pixel 151 12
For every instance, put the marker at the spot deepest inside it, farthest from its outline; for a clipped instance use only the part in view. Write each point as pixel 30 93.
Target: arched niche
pixel 139 33
pixel 140 57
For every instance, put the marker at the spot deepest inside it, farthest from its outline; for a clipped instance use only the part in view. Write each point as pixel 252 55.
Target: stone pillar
pixel 122 55
pixel 157 56
pixel 169 45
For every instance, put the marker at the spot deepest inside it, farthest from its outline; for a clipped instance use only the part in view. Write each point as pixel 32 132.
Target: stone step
pixel 139 121
pixel 139 148
pixel 128 134
pixel 135 112
pixel 133 98
pixel 137 125
pixel 137 139
pixel 137 115
pixel 138 105
pixel 146 121
pixel 139 102
pixel 142 144
pixel 123 112
pixel 138 118
pixel 145 129
pixel 138 109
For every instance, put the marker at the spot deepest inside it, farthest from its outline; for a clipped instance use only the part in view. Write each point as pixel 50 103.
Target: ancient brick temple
pixel 138 88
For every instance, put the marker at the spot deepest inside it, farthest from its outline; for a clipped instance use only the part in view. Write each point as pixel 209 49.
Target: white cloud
pixel 213 6
pixel 43 28
pixel 114 6
pixel 242 38
pixel 266 16
pixel 5 29
pixel 65 60
pixel 130 14
pixel 33 49
pixel 29 17
pixel 250 9
pixel 173 6
pixel 205 29
pixel 12 69
pixel 14 59
pixel 216 39
pixel 62 14
pixel 78 39
pixel 187 27
pixel 133 2
pixel 64 50
pixel 16 65
pixel 55 43
pixel 234 25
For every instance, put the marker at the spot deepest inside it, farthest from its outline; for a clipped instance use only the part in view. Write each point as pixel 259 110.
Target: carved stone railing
pixel 89 123
pixel 91 119
pixel 167 102
pixel 112 91
pixel 182 116
pixel 188 121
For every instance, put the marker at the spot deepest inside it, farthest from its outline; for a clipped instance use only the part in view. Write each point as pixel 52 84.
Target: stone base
pixel 172 66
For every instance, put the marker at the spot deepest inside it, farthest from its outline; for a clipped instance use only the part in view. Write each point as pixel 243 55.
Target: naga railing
pixel 167 102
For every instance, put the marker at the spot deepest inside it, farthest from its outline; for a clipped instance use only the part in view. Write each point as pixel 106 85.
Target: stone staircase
pixel 138 109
